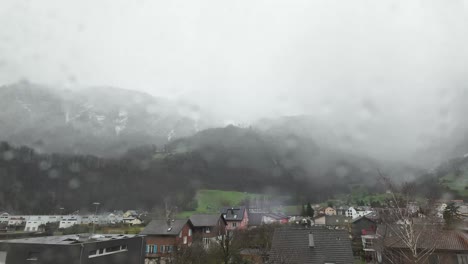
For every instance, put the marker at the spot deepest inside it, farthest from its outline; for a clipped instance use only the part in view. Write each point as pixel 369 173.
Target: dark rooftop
pixel 68 239
pixel 200 220
pixel 337 220
pixel 363 218
pixel 292 244
pixel 446 239
pixel 161 227
pixel 233 213
pixel 255 219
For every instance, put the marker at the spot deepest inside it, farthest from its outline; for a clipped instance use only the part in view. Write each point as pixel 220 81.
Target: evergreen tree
pixel 309 210
pixel 451 215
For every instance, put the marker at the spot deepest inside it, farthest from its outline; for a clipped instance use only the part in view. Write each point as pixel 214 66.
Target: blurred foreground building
pixel 74 249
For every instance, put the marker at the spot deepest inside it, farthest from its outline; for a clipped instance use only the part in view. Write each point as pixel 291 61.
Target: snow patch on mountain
pixel 170 135
pixel 121 122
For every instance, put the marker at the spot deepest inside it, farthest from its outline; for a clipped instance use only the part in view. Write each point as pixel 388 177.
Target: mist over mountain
pixel 101 121
pixel 149 145
pixel 107 121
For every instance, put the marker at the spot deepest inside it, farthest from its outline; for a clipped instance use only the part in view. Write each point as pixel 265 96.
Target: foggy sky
pixel 363 64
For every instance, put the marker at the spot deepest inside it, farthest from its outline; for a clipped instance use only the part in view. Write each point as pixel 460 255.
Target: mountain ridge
pixel 96 120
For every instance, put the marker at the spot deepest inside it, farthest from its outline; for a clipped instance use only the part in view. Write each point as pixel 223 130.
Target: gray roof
pixel 363 218
pixel 292 244
pixel 255 219
pixel 455 240
pixel 68 239
pixel 200 220
pixel 337 220
pixel 233 213
pixel 161 227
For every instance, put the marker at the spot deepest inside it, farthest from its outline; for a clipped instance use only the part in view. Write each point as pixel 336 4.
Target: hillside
pixel 210 201
pixel 228 158
pixel 453 175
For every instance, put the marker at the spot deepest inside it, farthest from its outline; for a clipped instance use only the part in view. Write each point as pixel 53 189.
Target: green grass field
pixel 458 184
pixel 210 201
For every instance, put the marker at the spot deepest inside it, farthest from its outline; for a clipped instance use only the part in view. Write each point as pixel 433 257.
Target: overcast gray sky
pixel 396 63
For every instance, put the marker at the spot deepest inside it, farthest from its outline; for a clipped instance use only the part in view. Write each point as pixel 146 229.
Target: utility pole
pixel 95 214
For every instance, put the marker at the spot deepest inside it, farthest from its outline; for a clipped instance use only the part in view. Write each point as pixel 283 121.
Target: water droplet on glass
pixel 74 183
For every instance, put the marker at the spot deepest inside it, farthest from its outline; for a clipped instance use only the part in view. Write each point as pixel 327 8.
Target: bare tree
pixel 405 236
pixel 195 254
pixel 227 246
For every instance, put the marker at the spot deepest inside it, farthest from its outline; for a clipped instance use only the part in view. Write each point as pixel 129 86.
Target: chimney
pixel 311 240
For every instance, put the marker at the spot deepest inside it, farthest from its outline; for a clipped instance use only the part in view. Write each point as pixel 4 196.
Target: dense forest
pixel 149 177
pixel 228 158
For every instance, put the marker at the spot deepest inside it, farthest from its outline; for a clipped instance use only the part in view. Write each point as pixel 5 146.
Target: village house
pixel 275 218
pixel 255 219
pixel 132 220
pixel 236 217
pixel 362 227
pixel 329 211
pixel 445 246
pixel 17 220
pixel 338 222
pixel 358 212
pixel 35 222
pixel 310 246
pixel 319 220
pixel 4 217
pixel 69 221
pixel 163 237
pixel 208 228
pixel 258 219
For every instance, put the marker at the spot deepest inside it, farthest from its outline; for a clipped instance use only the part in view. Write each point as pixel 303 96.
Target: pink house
pixel 235 217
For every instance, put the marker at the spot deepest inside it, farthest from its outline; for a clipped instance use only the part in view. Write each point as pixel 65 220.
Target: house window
pixel 112 249
pixel 166 248
pixel 190 232
pixel 462 259
pixel 368 243
pixel 207 230
pixel 151 249
pixel 185 240
pixel 206 241
pixel 180 234
pixel 234 224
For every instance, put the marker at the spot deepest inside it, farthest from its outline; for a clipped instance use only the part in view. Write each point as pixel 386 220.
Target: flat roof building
pixel 74 249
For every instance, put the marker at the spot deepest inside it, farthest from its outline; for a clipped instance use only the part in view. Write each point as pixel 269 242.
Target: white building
pixel 114 218
pixel 17 220
pixel 4 217
pixel 353 213
pixel 32 225
pixel 35 221
pixel 132 220
pixel 69 221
